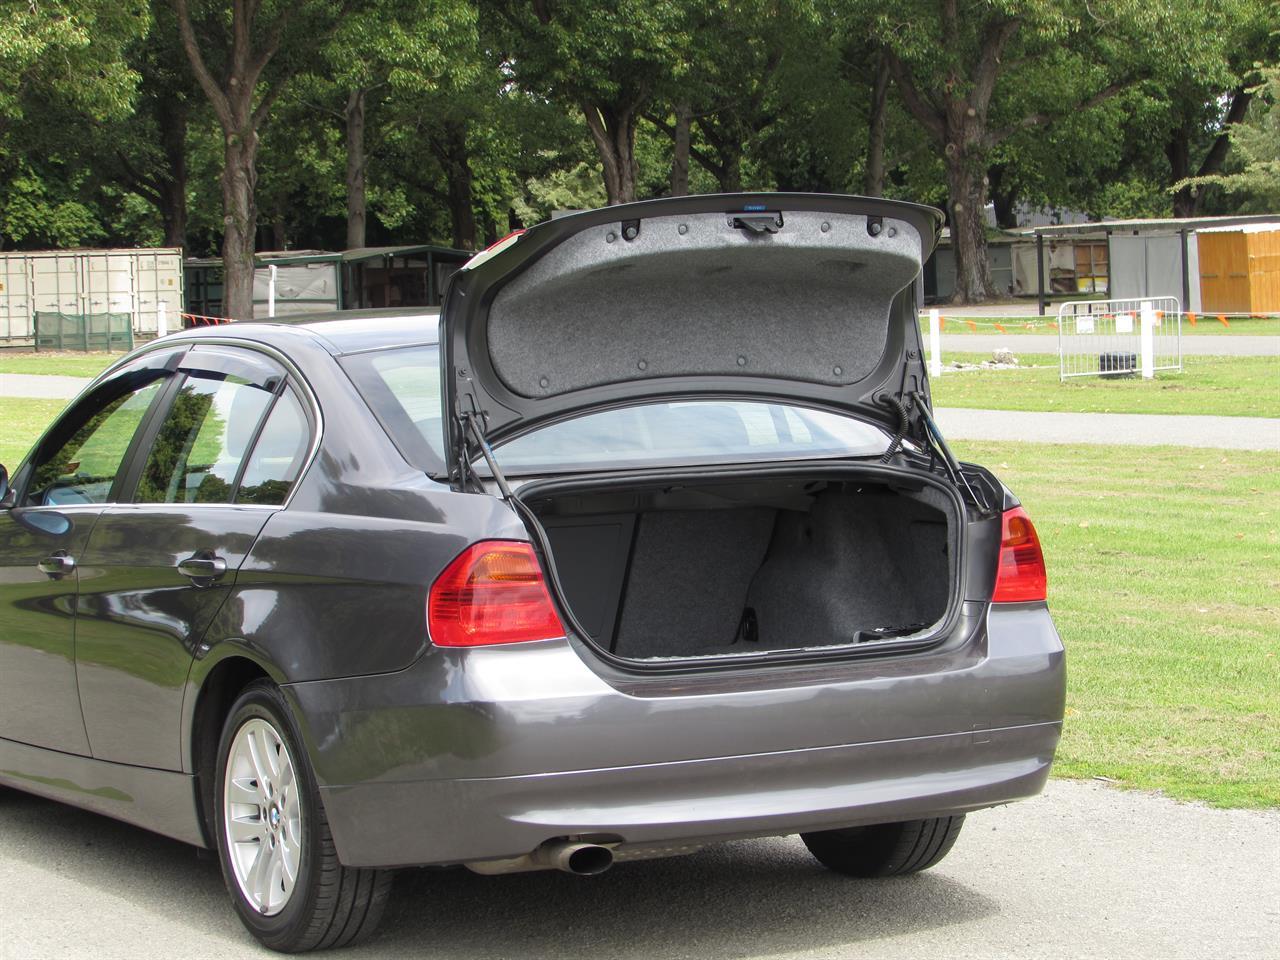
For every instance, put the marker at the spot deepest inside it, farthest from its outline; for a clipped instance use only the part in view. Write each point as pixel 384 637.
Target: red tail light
pixel 1020 576
pixel 493 592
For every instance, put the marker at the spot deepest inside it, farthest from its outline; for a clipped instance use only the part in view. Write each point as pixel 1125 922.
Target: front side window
pixel 84 468
pixel 206 433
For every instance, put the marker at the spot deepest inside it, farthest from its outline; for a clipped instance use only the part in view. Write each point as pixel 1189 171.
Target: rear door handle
pixel 58 565
pixel 203 568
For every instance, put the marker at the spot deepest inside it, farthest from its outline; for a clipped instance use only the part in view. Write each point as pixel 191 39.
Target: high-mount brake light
pixel 1020 574
pixel 493 592
pixel 493 249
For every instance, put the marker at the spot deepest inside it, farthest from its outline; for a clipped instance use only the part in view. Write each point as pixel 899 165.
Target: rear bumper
pixel 488 753
pixel 690 802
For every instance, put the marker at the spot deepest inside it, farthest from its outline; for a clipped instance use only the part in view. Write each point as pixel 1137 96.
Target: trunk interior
pixel 697 569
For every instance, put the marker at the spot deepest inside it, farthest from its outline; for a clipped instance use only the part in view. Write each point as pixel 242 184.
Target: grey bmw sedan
pixel 647 542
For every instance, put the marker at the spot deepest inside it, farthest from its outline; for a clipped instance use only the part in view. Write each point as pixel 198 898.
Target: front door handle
pixel 58 565
pixel 203 568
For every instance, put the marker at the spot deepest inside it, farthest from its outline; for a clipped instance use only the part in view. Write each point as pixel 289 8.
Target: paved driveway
pixel 1084 871
pixel 1244 345
pixel 1126 429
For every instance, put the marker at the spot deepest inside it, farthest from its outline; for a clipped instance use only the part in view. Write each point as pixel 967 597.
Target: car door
pixel 58 495
pixel 211 469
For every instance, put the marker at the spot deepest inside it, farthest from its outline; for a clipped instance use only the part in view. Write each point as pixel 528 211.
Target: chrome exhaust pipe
pixel 580 859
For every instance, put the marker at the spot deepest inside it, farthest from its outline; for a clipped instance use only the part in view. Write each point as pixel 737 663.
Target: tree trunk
pixel 1188 201
pixel 356 166
pixel 173 185
pixel 613 130
pixel 731 173
pixel 240 222
pixel 873 182
pixel 967 205
pixel 1002 198
pixel 680 152
pixel 457 167
pixel 1178 150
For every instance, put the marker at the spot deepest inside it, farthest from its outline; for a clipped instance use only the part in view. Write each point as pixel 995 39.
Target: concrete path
pixel 1127 429
pixel 1192 346
pixel 40 386
pixel 1082 871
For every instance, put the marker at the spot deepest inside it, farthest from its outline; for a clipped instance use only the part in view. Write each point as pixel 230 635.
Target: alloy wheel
pixel 262 816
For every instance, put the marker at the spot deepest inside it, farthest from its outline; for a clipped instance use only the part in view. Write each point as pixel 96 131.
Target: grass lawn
pixel 1205 326
pixel 1225 386
pixel 21 423
pixel 67 364
pixel 1164 580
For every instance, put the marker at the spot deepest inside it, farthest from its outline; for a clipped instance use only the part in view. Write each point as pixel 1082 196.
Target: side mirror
pixel 6 494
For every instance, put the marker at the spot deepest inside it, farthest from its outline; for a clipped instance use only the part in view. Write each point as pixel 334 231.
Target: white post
pixel 935 344
pixel 271 292
pixel 162 318
pixel 1147 340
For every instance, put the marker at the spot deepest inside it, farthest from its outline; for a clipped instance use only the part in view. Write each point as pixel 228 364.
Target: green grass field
pixel 1164 580
pixel 1205 326
pixel 1222 386
pixel 21 423
pixel 63 364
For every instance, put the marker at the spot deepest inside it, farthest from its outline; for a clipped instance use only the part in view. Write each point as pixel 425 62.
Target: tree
pixel 607 61
pixel 1256 139
pixel 67 52
pixel 147 151
pixel 966 79
pixel 399 48
pixel 62 69
pixel 243 58
pixel 1205 88
pixel 719 101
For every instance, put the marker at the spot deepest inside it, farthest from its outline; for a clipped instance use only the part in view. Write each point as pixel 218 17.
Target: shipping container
pixel 68 290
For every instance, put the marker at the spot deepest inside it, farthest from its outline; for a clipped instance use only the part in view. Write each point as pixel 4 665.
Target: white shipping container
pixel 78 282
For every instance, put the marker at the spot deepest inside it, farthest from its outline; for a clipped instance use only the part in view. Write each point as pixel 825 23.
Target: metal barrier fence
pixel 1119 337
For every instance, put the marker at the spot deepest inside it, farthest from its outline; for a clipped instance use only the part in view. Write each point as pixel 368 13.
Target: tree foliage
pixel 255 124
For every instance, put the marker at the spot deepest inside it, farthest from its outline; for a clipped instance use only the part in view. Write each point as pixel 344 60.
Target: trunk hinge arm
pixel 936 440
pixel 472 420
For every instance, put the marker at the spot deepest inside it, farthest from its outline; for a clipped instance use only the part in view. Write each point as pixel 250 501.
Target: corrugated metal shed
pixel 310 281
pixel 1161 258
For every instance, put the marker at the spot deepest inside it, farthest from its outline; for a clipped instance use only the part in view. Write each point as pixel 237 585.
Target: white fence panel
pixel 1105 337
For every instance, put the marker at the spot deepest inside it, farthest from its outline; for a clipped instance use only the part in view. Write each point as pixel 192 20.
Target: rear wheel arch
pixel 219 688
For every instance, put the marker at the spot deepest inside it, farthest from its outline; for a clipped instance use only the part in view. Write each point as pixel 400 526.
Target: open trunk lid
pixel 796 297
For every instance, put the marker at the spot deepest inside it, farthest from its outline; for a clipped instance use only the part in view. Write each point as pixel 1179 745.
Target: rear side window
pixel 402 388
pixel 278 456
pixel 197 454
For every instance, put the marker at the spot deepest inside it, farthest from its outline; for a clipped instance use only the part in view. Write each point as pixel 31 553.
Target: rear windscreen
pixel 689 432
pixel 402 388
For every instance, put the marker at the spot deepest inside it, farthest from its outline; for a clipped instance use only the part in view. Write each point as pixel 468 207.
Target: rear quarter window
pixel 402 387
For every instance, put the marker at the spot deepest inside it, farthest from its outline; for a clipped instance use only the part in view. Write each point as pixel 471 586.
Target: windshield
pixel 402 386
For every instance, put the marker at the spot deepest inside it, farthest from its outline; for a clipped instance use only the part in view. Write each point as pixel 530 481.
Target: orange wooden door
pixel 1224 272
pixel 1264 271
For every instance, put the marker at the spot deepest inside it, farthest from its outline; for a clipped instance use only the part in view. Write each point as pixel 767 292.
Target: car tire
pixel 267 805
pixel 885 849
